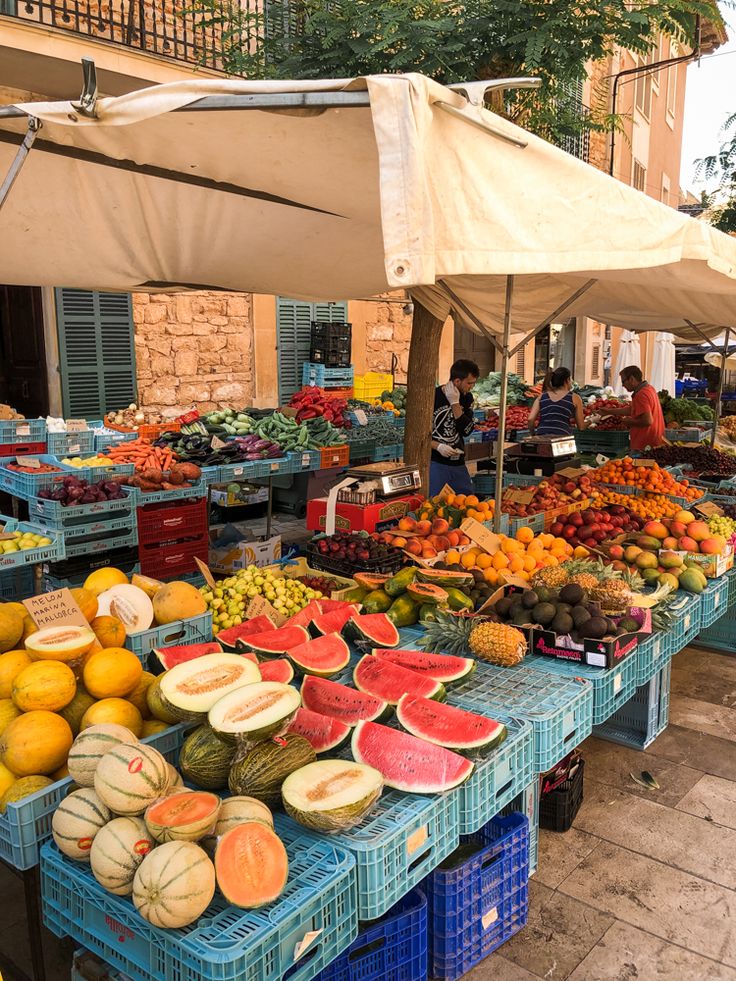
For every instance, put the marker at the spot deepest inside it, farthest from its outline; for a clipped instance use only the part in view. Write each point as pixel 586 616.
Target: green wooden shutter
pixel 96 352
pixel 294 331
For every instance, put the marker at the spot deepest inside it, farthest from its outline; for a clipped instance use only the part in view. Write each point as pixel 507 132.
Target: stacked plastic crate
pixel 329 366
pixel 173 531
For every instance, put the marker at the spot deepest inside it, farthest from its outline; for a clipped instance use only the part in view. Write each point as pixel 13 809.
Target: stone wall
pixel 387 333
pixel 194 350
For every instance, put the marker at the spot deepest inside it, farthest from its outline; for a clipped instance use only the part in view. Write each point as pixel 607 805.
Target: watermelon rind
pixel 180 653
pixel 276 643
pixel 331 795
pixel 323 733
pixel 389 681
pixel 255 712
pixel 446 668
pixel 407 763
pixel 331 623
pixel 340 702
pixel 233 638
pixel 374 628
pixel 323 656
pixel 277 669
pixel 448 726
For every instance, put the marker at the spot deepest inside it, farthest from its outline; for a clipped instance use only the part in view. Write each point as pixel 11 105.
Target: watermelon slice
pixel 442 667
pixel 249 656
pixel 322 732
pixel 169 656
pixel 279 669
pixel 274 643
pixel 332 623
pixel 444 725
pixel 232 639
pixel 375 628
pixel 324 656
pixel 303 617
pixel 340 702
pixel 408 763
pixel 389 681
pixel 330 605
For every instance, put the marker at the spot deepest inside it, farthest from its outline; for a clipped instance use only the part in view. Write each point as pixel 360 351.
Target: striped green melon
pixel 129 778
pixel 205 759
pixel 174 884
pixel 260 772
pixel 90 746
pixel 76 822
pixel 117 851
pixel 186 816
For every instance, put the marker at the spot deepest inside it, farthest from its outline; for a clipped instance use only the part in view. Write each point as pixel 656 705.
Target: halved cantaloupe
pixel 185 816
pixel 66 643
pixel 129 604
pixel 251 865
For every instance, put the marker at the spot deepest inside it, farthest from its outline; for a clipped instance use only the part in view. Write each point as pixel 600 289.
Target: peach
pixel 422 527
pixel 687 544
pixel 620 566
pixel 428 552
pixel 440 526
pixel 685 517
pixel 453 538
pixel 678 529
pixel 698 530
pixel 398 542
pixel 414 546
pixel 407 523
pixel 616 551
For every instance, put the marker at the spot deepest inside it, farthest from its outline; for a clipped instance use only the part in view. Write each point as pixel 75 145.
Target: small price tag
pixel 7 536
pixel 361 417
pixel 416 839
pixel 32 462
pixel 306 460
pixel 572 472
pixel 259 606
pixel 75 448
pixel 687 621
pixel 515 495
pixel 76 425
pixel 216 443
pixel 275 467
pixel 477 533
pixel 208 577
pixel 307 940
pixel 490 917
pixel 645 463
pixel 617 684
pixel 238 471
pixel 23 430
pixel 55 609
pixel 707 508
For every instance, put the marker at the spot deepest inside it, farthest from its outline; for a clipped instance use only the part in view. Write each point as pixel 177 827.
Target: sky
pixel 710 99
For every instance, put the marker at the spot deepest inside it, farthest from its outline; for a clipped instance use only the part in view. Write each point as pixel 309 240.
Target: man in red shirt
pixel 644 414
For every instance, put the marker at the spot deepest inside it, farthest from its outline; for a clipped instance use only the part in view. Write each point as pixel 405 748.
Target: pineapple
pixel 613 595
pixel 449 634
pixel 552 576
pixel 586 581
pixel 498 644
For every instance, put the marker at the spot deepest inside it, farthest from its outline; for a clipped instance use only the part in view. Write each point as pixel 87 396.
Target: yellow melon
pixel 8 711
pixel 109 631
pixel 36 743
pixel 115 710
pixel 61 773
pixel 23 788
pixel 11 628
pixel 7 778
pixel 149 586
pixel 46 685
pixel 177 601
pixel 74 711
pixel 152 726
pixel 86 601
pixel 101 579
pixel 67 643
pixel 112 673
pixel 29 627
pixel 11 665
pixel 138 695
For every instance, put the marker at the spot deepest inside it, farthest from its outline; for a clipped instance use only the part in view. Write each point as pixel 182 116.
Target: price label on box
pixel 32 462
pixel 238 471
pixel 76 425
pixel 23 430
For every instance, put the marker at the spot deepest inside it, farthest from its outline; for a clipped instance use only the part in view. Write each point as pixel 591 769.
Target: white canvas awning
pixel 340 189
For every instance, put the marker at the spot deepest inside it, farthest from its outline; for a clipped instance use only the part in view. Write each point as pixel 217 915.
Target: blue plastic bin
pixel 650 657
pixel 527 803
pixel 26 485
pixel 645 715
pixel 23 431
pixel 612 687
pixel 713 601
pixel 315 374
pixel 30 556
pixel 194 630
pixel 17 584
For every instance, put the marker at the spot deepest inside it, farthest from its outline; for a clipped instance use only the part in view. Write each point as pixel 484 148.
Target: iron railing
pixel 167 28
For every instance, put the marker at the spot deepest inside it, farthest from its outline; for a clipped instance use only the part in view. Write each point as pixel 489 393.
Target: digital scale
pixel 541 454
pixel 549 446
pixel 367 498
pixel 388 479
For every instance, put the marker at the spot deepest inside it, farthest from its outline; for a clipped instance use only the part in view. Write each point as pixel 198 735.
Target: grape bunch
pixel 721 524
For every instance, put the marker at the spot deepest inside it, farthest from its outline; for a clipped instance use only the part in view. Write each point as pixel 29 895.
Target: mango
pixel 646 560
pixel 655 529
pixel 692 581
pixel 698 530
pixel 667 579
pixel 669 560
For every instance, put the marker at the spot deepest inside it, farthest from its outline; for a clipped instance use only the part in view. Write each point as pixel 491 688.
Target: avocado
pixel 579 615
pixel 595 628
pixel 503 606
pixel 529 599
pixel 562 623
pixel 572 594
pixel 543 614
pixel 563 608
pixel 522 618
pixel 627 625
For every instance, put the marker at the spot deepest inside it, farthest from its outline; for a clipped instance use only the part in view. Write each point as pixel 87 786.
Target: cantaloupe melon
pixel 101 579
pixel 115 710
pixel 112 673
pixel 117 851
pixel 8 711
pixel 66 643
pixel 240 810
pixel 90 746
pixel 22 788
pixel 77 820
pixel 74 711
pixel 177 601
pixel 174 884
pixel 86 601
pixel 251 865
pixel 175 778
pixel 11 628
pixel 138 695
pixel 36 743
pixel 130 605
pixel 184 816
pixel 49 685
pixel 11 665
pixel 109 631
pixel 129 778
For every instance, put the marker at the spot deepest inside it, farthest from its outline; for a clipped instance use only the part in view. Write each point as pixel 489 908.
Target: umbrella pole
pixel 34 125
pixel 717 413
pixel 501 436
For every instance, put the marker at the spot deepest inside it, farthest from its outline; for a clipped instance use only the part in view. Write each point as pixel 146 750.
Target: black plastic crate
pixel 331 344
pixel 558 807
pixel 387 565
pixel 125 559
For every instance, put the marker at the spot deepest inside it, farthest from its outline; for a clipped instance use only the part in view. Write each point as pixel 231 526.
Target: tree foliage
pixel 722 165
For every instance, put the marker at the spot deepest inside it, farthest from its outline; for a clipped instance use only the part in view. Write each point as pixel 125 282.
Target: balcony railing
pixel 167 28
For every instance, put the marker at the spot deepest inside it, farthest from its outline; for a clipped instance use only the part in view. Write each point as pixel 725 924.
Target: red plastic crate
pixel 153 432
pixel 168 522
pixel 173 559
pixel 334 456
pixel 22 449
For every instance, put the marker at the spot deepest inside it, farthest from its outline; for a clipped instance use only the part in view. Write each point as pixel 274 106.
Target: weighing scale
pixel 367 498
pixel 386 480
pixel 541 454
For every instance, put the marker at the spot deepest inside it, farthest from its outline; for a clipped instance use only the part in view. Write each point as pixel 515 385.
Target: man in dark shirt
pixel 451 423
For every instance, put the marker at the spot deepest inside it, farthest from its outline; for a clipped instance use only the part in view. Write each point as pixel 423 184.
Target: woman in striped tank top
pixel 553 413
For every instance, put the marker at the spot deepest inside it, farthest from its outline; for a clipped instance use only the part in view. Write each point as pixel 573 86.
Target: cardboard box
pixel 227 557
pixel 247 494
pixel 712 566
pixel 355 517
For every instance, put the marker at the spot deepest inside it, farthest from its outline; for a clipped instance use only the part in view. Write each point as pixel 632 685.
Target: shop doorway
pixel 23 377
pixel 475 347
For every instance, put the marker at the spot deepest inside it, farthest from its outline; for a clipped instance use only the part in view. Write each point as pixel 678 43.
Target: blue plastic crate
pixel 467 914
pixel 601 441
pixel 23 431
pixel 315 374
pixel 194 630
pixel 226 943
pixel 17 585
pixel 397 844
pixel 393 451
pixel 245 470
pixel 559 708
pixel 713 601
pixel 686 625
pixel 650 657
pixel 731 577
pixel 71 444
pixel 394 948
pixel 26 484
pixel 110 437
pixel 198 489
pixel 306 460
pixel 93 474
pixel 30 556
pixel 534 521
pixel 26 825
pixel 644 717
pixel 612 687
pixel 83 520
pixel 721 634
pixel 527 803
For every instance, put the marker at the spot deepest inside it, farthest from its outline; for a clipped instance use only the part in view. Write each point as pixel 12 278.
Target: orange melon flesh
pixel 185 816
pixel 251 865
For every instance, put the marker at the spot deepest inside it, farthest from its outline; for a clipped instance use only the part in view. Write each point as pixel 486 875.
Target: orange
pixel 450 499
pixel 550 560
pixel 525 535
pixel 484 561
pixel 459 501
pixel 510 545
pixel 516 564
pixel 530 563
pixel 471 501
pixel 467 560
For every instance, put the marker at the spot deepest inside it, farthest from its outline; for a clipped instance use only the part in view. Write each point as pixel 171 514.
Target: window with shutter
pixel 293 332
pixel 96 352
pixel 595 361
